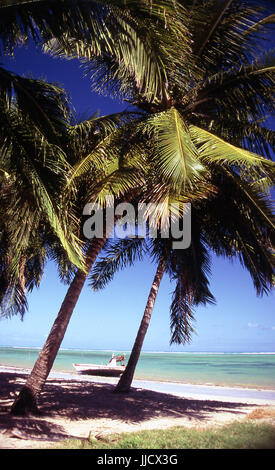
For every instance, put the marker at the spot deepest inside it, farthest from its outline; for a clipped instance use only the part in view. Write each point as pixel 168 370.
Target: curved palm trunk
pixel 27 400
pixel 126 379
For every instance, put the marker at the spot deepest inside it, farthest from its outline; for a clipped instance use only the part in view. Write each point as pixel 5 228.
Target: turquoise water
pixel 237 369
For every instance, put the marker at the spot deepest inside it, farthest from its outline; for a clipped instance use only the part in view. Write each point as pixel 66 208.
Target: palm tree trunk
pixel 26 402
pixel 126 379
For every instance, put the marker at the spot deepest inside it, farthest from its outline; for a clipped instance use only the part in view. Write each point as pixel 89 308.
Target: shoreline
pixel 229 373
pixel 75 375
pixel 250 394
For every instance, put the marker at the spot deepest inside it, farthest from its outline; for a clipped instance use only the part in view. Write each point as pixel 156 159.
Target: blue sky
pixel 109 319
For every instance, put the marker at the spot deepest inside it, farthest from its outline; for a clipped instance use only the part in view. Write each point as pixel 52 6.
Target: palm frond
pixel 260 200
pixel 126 47
pixel 218 30
pixel 46 104
pixel 181 317
pixel 176 156
pixel 258 25
pixel 213 149
pixel 37 19
pixel 115 256
pixel 13 302
pixel 253 136
pixel 39 166
pixel 238 222
pixel 214 24
pixel 191 269
pixel 244 94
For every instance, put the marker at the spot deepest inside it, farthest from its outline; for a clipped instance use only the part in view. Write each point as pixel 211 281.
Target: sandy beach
pixel 75 406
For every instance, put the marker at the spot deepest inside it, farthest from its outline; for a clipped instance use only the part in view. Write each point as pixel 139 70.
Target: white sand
pixel 74 406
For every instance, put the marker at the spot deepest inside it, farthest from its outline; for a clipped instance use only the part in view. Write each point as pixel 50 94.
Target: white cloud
pixel 253 325
pixel 261 327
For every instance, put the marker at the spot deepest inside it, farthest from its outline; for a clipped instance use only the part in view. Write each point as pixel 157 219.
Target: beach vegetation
pixel 236 435
pixel 80 138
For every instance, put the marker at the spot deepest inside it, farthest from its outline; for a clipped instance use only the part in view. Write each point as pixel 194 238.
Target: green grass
pixel 237 435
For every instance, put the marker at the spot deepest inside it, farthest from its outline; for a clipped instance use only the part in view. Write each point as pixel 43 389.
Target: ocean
pixel 228 369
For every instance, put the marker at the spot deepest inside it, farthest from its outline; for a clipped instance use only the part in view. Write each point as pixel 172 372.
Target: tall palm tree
pixel 191 124
pixel 131 48
pixel 187 115
pixel 104 24
pixel 237 232
pixel 189 267
pixel 79 139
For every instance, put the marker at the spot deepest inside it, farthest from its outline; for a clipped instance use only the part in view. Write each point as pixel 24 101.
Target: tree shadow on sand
pixel 76 400
pixel 23 427
pixel 93 400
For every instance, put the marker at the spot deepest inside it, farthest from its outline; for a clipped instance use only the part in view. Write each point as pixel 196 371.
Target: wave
pixel 147 352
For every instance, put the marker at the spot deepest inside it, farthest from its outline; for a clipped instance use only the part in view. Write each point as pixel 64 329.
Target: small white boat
pixel 112 369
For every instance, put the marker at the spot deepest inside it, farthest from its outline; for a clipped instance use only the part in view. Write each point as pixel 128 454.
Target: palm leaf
pixel 213 149
pixel 217 28
pixel 270 19
pixel 176 156
pixel 39 166
pixel 214 25
pixel 44 103
pixel 238 222
pixel 181 317
pixel 116 255
pixel 257 197
pixel 123 45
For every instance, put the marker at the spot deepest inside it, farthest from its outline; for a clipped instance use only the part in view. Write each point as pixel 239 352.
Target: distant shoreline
pixel 39 348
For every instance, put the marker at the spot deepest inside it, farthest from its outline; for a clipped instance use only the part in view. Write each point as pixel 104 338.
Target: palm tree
pixel 237 232
pixel 79 139
pixel 33 116
pixel 218 92
pixel 116 178
pixel 187 115
pixel 105 25
pixel 189 267
pixel 116 26
pixel 191 124
pixel 125 381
